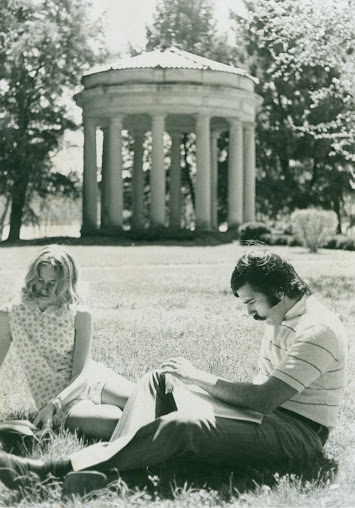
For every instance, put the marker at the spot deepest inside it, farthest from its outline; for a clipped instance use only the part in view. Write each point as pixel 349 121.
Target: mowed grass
pixel 153 302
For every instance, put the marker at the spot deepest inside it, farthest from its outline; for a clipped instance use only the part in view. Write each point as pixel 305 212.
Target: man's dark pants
pixel 152 431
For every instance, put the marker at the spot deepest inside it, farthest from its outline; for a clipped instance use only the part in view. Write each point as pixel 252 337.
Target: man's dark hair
pixel 267 273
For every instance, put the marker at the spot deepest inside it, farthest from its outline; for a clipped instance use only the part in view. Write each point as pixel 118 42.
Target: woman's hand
pixel 182 369
pixel 44 419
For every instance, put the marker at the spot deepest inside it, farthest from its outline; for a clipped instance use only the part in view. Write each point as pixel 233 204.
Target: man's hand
pixel 182 369
pixel 44 419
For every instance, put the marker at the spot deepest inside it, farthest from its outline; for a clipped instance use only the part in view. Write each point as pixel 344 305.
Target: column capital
pixel 234 121
pixel 202 117
pixel 90 122
pixel 117 120
pixel 158 116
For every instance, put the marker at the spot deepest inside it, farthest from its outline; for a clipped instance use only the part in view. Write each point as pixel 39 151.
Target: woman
pixel 52 333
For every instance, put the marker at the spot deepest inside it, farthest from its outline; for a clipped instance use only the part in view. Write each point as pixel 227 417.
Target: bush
pixel 312 227
pixel 252 231
pixel 340 242
pixel 279 239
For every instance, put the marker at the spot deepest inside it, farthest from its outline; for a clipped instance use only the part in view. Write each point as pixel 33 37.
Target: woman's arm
pixel 5 335
pixel 81 357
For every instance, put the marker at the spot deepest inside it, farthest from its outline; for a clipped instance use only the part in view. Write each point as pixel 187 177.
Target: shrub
pixel 252 231
pixel 312 227
pixel 279 239
pixel 340 242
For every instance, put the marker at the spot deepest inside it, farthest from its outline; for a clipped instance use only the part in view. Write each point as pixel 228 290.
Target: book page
pixel 193 400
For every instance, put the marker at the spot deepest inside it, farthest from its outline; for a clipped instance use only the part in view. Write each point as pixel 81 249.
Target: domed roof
pixel 168 80
pixel 171 58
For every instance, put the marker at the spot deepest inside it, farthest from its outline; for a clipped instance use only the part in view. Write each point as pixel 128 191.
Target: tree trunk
pixel 312 182
pixel 18 198
pixel 336 207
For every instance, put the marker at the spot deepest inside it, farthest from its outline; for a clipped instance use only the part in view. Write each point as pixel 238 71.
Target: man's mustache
pixel 258 318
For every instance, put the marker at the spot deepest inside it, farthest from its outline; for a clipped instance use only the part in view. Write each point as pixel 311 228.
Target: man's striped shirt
pixel 307 351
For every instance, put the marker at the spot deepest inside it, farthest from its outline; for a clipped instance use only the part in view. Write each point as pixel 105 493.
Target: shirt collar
pixel 298 309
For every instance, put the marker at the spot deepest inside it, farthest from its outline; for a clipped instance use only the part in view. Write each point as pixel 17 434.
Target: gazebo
pixel 174 92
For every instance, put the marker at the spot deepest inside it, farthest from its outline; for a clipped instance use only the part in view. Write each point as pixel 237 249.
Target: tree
pixel 44 48
pixel 183 24
pixel 303 54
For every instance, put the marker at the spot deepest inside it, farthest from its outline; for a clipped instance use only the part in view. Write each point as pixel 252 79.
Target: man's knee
pixel 185 429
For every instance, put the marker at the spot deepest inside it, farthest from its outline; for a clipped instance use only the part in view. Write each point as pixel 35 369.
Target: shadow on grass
pixel 178 479
pixel 171 479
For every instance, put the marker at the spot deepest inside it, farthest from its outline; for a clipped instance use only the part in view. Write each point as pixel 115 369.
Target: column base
pixel 175 227
pixel 203 226
pixel 139 225
pixel 88 230
pixel 234 226
pixel 110 230
pixel 156 225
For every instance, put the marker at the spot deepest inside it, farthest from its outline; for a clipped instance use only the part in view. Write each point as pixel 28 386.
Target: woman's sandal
pixel 17 435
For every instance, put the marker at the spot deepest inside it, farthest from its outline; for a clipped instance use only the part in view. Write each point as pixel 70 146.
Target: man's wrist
pixel 205 380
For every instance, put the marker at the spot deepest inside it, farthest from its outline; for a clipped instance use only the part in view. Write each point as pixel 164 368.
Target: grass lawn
pixel 152 302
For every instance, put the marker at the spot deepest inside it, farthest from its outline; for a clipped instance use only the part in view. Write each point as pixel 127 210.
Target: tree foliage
pixel 44 48
pixel 303 54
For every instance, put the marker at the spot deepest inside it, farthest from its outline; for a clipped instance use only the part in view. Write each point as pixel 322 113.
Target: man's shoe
pixel 16 472
pixel 80 483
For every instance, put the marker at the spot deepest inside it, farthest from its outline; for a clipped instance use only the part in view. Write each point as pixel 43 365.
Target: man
pixel 298 389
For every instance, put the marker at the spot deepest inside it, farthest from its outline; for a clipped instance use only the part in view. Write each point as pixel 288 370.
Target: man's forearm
pixel 263 398
pixel 235 393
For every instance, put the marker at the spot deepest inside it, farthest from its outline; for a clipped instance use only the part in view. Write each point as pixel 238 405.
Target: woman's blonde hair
pixel 57 257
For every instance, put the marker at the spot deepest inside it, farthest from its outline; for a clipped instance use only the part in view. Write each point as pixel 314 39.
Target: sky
pixel 125 20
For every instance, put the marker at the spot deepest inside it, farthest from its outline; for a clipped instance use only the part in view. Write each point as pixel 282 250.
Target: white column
pixel 249 172
pixel 114 173
pixel 203 174
pixel 157 175
pixel 138 183
pixel 175 180
pixel 235 173
pixel 90 189
pixel 104 180
pixel 214 179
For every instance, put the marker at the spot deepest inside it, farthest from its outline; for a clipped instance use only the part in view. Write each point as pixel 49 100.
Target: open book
pixel 193 400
